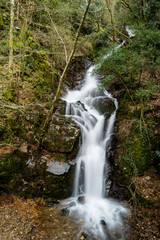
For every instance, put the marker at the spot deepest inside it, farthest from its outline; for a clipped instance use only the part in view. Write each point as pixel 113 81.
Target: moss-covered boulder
pixel 49 175
pixel 105 106
pixel 12 164
pixel 62 135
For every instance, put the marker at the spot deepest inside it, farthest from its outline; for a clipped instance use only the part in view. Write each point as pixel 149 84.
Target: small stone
pixel 72 204
pixel 81 199
pixel 64 212
pixel 147 178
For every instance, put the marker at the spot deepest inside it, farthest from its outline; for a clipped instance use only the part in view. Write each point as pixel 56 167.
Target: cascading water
pixel 130 32
pixel 99 217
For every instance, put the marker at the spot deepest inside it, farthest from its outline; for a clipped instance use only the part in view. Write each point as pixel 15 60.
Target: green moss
pixel 1 21
pixel 57 187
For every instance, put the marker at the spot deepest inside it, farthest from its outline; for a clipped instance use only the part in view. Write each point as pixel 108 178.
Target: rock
pixel 64 212
pixel 62 136
pixel 105 106
pixel 81 199
pixel 103 222
pixel 57 167
pixel 12 165
pixel 81 106
pixel 107 187
pixel 72 204
pixel 76 71
pixel 118 192
pixel 60 107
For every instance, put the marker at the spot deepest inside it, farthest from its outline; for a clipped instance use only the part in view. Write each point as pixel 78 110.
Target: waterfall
pixel 130 32
pixel 98 216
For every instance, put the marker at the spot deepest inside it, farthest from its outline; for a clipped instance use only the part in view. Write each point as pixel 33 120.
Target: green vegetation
pixel 44 33
pixel 135 66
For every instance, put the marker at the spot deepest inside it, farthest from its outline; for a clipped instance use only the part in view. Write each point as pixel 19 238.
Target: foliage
pixel 146 92
pixel 135 67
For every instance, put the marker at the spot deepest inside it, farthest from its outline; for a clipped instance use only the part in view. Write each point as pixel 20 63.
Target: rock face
pixel 62 135
pixel 105 106
pixel 22 169
pixel 50 175
pixel 47 175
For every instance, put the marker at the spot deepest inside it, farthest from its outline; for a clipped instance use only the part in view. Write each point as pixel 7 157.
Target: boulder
pixel 62 135
pixel 12 163
pixel 81 199
pixel 64 212
pixel 57 167
pixel 105 106
pixel 48 176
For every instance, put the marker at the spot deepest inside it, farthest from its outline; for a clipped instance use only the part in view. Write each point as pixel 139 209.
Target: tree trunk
pixel 62 77
pixel 109 6
pixel 11 42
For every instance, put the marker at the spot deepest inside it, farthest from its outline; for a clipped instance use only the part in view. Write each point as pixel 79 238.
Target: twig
pixel 65 50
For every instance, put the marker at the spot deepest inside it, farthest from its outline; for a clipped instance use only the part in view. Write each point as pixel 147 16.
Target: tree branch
pixel 62 77
pixel 65 49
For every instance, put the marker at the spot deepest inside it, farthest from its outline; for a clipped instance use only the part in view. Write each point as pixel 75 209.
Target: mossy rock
pixel 12 163
pixel 105 106
pixel 60 107
pixel 43 178
pixel 62 135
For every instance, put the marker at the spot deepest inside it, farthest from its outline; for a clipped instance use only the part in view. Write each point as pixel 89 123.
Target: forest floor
pixel 27 219
pixel 147 215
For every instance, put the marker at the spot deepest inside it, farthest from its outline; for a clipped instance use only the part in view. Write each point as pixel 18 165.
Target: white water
pixel 98 216
pixel 130 32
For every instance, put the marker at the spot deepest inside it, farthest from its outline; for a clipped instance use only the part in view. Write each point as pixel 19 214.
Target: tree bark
pixel 62 77
pixel 11 42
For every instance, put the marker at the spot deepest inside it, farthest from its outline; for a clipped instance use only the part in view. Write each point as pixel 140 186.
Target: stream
pixel 97 216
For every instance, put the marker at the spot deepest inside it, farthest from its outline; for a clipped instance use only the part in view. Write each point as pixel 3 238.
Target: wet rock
pixel 108 186
pixel 105 106
pixel 72 204
pixel 76 71
pixel 81 105
pixel 60 107
pixel 64 212
pixel 81 199
pixel 62 136
pixel 103 223
pixel 118 192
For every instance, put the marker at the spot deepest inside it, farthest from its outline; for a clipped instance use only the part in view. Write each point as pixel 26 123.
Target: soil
pixel 146 212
